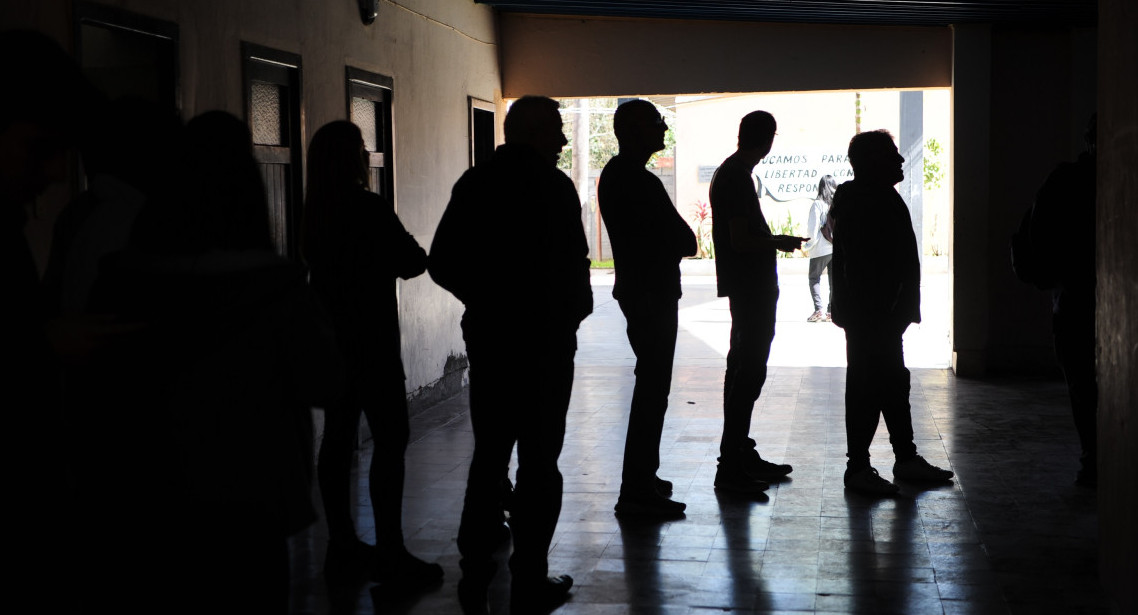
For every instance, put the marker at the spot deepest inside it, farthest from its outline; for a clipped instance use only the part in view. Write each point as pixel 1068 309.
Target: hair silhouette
pixel 756 128
pixel 336 169
pixel 826 187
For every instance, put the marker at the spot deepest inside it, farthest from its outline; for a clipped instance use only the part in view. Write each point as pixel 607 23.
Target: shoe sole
pixel 923 479
pixel 874 492
pixel 743 490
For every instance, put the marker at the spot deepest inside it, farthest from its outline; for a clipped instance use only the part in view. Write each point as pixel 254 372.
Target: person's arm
pixel 744 238
pixel 813 227
pixel 409 259
pixel 451 258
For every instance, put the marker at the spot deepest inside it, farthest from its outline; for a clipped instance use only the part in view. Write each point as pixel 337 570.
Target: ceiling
pixel 876 12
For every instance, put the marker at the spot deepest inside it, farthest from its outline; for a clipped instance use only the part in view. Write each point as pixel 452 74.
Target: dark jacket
pixel 877 268
pixel 1063 236
pixel 353 271
pixel 518 207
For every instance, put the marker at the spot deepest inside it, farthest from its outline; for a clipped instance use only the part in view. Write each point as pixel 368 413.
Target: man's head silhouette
pixel 875 159
pixel 756 132
pixel 639 128
pixel 536 121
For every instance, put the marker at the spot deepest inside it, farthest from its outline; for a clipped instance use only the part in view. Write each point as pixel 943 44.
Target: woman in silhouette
pixel 356 248
pixel 819 248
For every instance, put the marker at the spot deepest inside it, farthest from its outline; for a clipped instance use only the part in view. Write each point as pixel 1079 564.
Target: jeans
pixel 652 329
pixel 752 331
pixel 519 394
pixel 386 413
pixel 817 264
pixel 877 384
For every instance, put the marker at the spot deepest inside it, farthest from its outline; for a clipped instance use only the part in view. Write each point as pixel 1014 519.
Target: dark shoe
pixel 346 560
pixel 749 460
pixel 764 470
pixel 474 596
pixel 869 482
pixel 918 470
pixel 406 571
pixel 663 487
pixel 539 596
pixel 649 504
pixel 731 477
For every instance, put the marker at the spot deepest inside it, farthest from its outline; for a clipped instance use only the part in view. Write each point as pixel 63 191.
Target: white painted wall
pixel 437 52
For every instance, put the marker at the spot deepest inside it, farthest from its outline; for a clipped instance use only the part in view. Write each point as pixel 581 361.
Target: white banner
pixel 785 175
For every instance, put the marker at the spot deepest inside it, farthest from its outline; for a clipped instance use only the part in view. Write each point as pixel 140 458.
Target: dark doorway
pixel 126 54
pixel 369 107
pixel 481 131
pixel 272 108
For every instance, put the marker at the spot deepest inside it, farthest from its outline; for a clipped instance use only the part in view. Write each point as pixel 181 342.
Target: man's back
pixel 874 281
pixel 733 196
pixel 537 203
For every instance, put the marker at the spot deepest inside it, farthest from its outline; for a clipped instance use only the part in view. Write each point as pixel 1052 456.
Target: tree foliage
pixel 933 172
pixel 602 139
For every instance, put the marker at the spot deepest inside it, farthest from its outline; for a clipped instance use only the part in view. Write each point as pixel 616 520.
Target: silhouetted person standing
pixel 877 293
pixel 648 240
pixel 357 248
pixel 747 276
pixel 212 423
pixel 520 346
pixel 1062 235
pixel 42 112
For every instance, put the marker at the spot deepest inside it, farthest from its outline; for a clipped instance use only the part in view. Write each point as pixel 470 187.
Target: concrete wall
pixel 1118 302
pixel 1021 99
pixel 578 57
pixel 437 53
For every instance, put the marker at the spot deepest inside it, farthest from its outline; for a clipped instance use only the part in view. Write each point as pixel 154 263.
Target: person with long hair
pixel 356 247
pixel 819 248
pixel 212 395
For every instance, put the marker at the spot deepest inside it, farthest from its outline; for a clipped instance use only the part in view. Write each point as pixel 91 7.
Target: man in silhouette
pixel 648 240
pixel 877 293
pixel 747 276
pixel 1062 234
pixel 521 359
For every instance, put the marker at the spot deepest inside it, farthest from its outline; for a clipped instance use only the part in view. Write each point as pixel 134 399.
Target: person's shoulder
pixel 732 166
pixel 616 168
pixel 367 199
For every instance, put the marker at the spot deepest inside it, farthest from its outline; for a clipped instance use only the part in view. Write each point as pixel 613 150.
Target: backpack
pixel 1027 264
pixel 828 228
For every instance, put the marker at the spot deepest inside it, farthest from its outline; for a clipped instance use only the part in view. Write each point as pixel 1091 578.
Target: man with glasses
pixel 648 240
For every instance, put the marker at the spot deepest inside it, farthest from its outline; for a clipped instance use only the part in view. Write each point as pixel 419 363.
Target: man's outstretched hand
pixel 788 243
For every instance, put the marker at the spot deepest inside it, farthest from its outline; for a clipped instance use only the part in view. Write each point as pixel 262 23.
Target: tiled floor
pixel 1011 535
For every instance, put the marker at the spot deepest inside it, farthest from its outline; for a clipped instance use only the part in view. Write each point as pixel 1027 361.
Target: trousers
pixel 877 385
pixel 752 331
pixel 652 330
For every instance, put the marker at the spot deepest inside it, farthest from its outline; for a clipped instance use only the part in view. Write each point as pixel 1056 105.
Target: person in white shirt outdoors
pixel 819 248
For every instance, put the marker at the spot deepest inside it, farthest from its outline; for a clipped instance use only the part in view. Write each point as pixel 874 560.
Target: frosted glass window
pixel 266 113
pixel 363 115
